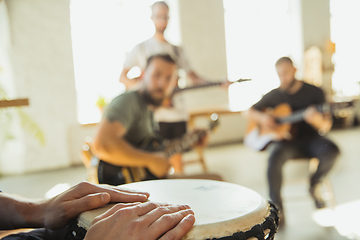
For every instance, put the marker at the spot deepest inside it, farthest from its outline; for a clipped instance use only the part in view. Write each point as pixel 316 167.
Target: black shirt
pixel 307 95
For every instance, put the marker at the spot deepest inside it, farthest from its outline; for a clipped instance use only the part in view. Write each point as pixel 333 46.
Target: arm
pixel 55 213
pixel 264 119
pixel 142 221
pixel 110 146
pixel 321 122
pixel 129 83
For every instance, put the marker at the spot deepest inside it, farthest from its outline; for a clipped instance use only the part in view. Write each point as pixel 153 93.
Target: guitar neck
pixel 198 86
pixel 207 85
pixel 293 118
pixel 298 115
pixel 183 144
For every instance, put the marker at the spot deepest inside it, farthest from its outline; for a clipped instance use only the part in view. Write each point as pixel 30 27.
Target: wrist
pixel 22 213
pixel 34 214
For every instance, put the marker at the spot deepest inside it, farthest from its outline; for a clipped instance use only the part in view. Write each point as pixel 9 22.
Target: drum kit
pixel 222 210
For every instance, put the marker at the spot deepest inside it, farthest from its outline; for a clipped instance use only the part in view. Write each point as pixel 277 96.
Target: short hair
pixel 165 57
pixel 162 3
pixel 284 60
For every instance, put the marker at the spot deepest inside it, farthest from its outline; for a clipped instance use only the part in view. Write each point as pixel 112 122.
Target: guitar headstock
pixel 242 80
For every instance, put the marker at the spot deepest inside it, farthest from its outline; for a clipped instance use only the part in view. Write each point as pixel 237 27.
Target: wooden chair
pixel 208 113
pixel 90 161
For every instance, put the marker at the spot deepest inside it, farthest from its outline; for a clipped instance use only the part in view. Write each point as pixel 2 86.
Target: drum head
pixel 221 208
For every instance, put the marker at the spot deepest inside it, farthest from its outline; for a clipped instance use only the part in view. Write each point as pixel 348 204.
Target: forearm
pixel 129 83
pixel 18 212
pixel 323 125
pixel 119 152
pixel 255 115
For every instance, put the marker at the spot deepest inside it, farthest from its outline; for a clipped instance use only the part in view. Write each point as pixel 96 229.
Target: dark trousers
pixel 44 234
pixel 316 147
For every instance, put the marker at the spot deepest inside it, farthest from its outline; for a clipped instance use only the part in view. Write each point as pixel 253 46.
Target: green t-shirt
pixel 131 110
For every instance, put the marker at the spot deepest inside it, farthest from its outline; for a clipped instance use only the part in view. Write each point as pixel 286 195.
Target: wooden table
pixel 207 111
pixel 14 103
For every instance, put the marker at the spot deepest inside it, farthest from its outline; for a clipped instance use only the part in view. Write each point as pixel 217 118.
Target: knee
pixel 331 150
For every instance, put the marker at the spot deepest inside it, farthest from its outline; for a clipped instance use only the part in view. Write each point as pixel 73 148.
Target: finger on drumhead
pixel 169 221
pixel 113 210
pixel 158 212
pixel 144 208
pixel 181 229
pixel 116 194
pixel 88 202
pixel 130 190
pixel 125 195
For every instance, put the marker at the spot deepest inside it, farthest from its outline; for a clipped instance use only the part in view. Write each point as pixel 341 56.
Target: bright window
pixel 257 34
pixel 345 25
pixel 103 31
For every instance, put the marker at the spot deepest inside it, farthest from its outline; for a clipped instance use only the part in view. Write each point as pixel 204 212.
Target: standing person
pixel 156 45
pixel 128 123
pixel 172 120
pixel 307 136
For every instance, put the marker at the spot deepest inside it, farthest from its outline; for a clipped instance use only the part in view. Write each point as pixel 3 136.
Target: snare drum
pixel 222 210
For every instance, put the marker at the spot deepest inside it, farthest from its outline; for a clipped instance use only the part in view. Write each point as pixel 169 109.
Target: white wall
pixel 203 38
pixel 41 57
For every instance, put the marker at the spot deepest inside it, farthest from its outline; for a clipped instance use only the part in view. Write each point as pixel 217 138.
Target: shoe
pixel 315 192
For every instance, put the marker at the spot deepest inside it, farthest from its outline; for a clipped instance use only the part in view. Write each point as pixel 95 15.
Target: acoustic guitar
pixel 258 138
pixel 169 147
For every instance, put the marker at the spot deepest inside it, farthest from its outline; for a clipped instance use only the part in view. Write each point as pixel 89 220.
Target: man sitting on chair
pixel 307 136
pixel 128 123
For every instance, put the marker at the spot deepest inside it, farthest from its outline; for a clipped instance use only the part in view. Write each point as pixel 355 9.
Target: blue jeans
pixel 315 147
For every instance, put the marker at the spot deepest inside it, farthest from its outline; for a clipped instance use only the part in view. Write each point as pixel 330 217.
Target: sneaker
pixel 315 192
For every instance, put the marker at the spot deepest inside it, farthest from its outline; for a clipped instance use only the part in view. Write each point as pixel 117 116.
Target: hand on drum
pixel 59 210
pixel 135 221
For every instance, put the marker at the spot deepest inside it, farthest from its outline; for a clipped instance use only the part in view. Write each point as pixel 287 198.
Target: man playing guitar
pixel 306 137
pixel 128 123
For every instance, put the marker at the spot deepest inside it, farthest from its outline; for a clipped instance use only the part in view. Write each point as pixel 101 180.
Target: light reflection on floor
pixel 344 218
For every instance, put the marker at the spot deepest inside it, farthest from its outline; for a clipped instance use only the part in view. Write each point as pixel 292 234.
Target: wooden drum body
pixel 222 210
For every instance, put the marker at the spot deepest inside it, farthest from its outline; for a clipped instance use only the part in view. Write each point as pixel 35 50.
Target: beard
pixel 151 100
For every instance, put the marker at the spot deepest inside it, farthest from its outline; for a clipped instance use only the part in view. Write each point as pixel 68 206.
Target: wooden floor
pixel 240 165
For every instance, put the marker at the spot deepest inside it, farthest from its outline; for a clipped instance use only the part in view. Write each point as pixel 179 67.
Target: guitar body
pixel 258 138
pixel 117 175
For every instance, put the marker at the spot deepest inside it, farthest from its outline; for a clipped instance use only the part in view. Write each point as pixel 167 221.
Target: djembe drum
pixel 222 210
